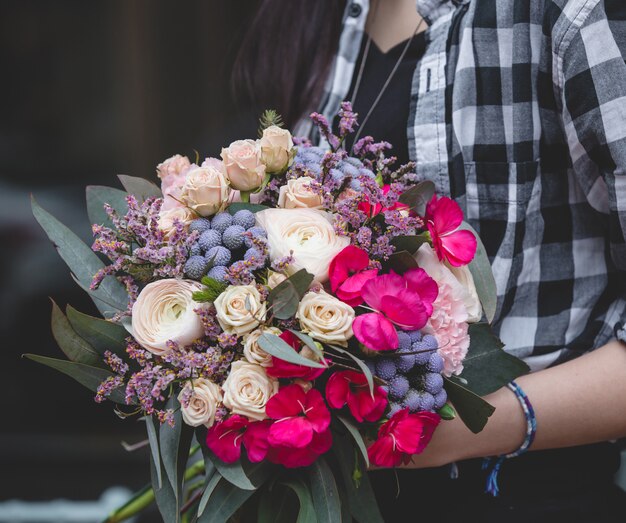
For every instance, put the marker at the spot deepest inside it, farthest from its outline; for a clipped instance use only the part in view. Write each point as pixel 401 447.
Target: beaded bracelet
pixel 531 429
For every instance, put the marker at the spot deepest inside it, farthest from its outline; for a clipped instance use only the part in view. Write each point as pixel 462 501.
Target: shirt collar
pixel 431 10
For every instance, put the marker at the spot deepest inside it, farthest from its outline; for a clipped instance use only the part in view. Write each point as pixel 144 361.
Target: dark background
pixel 90 89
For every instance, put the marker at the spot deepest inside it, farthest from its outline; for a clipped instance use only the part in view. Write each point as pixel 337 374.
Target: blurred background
pixel 90 90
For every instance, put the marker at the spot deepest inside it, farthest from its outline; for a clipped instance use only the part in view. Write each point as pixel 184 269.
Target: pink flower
pixel 298 414
pixel 402 436
pixel 305 456
pixel 443 218
pixel 284 369
pixel 405 301
pixel 350 387
pixel 348 273
pixel 255 440
pixel 224 439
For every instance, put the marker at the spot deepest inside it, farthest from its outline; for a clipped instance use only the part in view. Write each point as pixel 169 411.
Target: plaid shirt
pixel 518 111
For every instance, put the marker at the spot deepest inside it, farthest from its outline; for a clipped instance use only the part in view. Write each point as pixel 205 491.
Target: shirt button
pixel 354 10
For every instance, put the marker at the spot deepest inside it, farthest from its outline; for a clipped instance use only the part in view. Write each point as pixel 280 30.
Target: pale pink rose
pixel 448 324
pixel 172 167
pixel 164 311
pixel 167 218
pixel 347 194
pixel 298 193
pixel 275 278
pixel 276 146
pixel 244 167
pixel 206 189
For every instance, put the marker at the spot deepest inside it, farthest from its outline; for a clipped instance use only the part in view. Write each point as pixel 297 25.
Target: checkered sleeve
pixel 590 76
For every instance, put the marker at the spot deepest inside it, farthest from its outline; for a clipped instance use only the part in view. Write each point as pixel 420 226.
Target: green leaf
pixel 324 492
pixel 308 341
pixel 72 345
pixel 212 289
pixel 86 375
pixel 277 505
pixel 356 435
pixel 174 444
pixel 97 196
pixel 410 243
pixel 400 262
pixel 140 500
pixel 211 483
pixel 286 296
pixel 102 335
pixel 487 367
pixel 473 410
pixel 241 472
pixel 361 364
pixel 140 187
pixel 482 274
pixel 82 261
pixel 447 412
pixel 361 499
pixel 155 454
pixel 241 206
pixel 269 118
pixel 306 513
pixel 418 196
pixel 275 346
pixel 163 491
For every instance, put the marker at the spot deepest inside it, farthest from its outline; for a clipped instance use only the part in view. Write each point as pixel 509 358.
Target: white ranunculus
pixel 248 389
pixel 240 309
pixel 251 350
pixel 326 318
pixel 459 279
pixel 308 233
pixel 164 311
pixel 297 193
pixel 203 398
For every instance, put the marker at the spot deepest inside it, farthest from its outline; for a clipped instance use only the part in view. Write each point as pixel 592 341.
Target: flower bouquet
pixel 281 318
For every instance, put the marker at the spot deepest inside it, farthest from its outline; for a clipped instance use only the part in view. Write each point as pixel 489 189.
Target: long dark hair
pixel 286 54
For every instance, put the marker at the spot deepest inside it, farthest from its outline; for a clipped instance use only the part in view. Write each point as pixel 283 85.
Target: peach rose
pixel 298 193
pixel 242 160
pixel 276 146
pixel 164 311
pixel 203 397
pixel 169 216
pixel 206 189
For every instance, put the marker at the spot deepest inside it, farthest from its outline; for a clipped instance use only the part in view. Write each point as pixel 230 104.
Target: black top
pixel 389 119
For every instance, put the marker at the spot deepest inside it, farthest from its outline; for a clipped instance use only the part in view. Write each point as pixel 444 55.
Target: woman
pixel 518 111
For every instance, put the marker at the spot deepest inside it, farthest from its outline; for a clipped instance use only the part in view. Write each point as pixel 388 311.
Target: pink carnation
pixel 448 324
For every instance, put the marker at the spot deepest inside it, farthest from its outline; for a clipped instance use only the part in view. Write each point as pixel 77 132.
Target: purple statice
pixel 301 141
pixel 138 247
pixel 347 119
pixel 281 264
pixel 107 387
pixel 116 363
pixel 324 127
pixel 208 317
pixel 165 416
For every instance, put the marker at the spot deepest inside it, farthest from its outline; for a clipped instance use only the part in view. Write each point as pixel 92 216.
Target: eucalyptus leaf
pixel 86 375
pixel 356 435
pixel 410 243
pixel 140 187
pixel 482 273
pixel 241 206
pixel 277 505
pixel 361 364
pixel 164 493
pixel 286 296
pixel 487 367
pixel 233 473
pixel 102 335
pixel 324 492
pixel 418 196
pixel 72 345
pixel 400 262
pixel 211 483
pixel 278 348
pixel 97 196
pixel 306 514
pixel 155 454
pixel 472 409
pixel 308 341
pixel 82 261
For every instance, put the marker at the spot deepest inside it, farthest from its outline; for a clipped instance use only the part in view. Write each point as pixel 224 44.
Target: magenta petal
pixel 447 215
pixel 376 288
pixel 405 310
pixel 459 247
pixel 286 403
pixel 350 259
pixel 291 432
pixel 375 331
pixel 337 390
pixel 317 413
pixel 255 440
pixel 419 281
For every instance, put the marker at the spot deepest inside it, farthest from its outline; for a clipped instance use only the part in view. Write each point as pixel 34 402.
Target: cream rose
pixel 308 233
pixel 164 311
pixel 232 311
pixel 326 318
pixel 168 217
pixel 174 166
pixel 461 282
pixel 242 160
pixel 206 188
pixel 275 278
pixel 251 350
pixel 248 389
pixel 201 398
pixel 298 193
pixel 276 145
